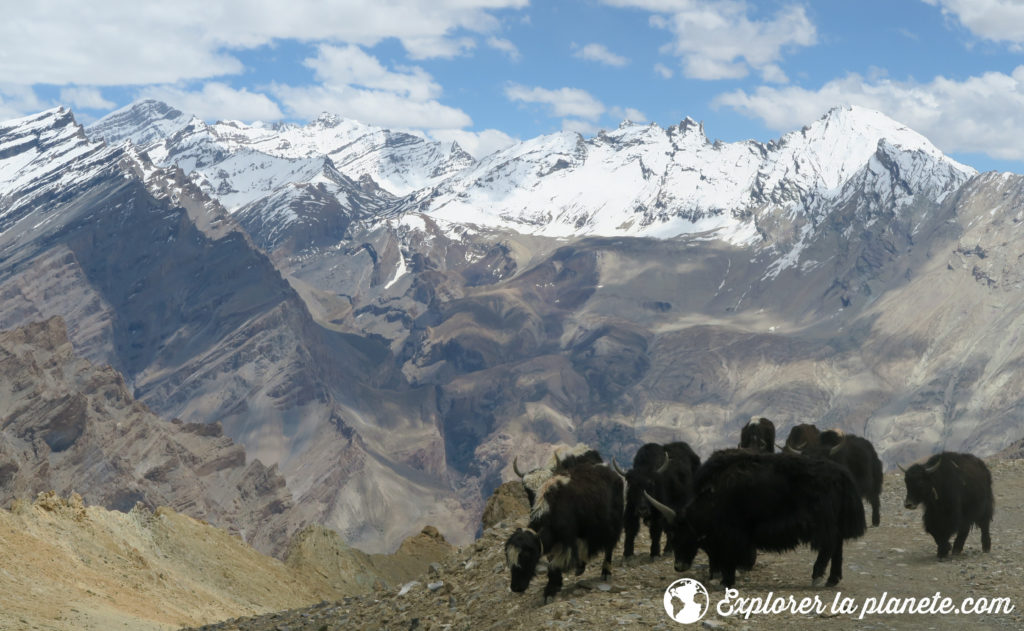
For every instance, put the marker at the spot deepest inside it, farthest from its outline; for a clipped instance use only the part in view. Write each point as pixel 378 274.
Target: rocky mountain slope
pixel 391 322
pixel 70 426
pixel 68 566
pixel 155 279
pixel 897 559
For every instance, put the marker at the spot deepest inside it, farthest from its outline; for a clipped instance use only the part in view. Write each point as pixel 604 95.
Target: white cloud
pixel 998 20
pixel 349 65
pixel 374 107
pixel 85 98
pixel 663 71
pixel 216 101
pixel 504 46
pixel 584 128
pixel 19 100
pixel 123 42
pixel 563 102
pixel 718 40
pixel 356 85
pixel 773 74
pixel 477 143
pixel 628 113
pixel 981 114
pixel 601 54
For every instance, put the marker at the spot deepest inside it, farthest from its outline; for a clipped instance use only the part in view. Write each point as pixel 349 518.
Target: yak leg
pixel 961 537
pixel 606 567
pixel 655 531
pixel 875 517
pixel 632 526
pixel 728 574
pixel 942 541
pixel 554 584
pixel 579 561
pixel 836 570
pixel 824 554
pixel 986 540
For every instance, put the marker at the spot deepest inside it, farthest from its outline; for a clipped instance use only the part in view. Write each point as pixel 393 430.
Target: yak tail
pixel 851 521
pixel 876 473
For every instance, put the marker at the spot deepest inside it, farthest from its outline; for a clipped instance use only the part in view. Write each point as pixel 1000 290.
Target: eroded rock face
pixel 71 426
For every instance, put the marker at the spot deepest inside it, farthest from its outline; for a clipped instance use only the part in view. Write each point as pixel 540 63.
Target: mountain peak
pixel 143 122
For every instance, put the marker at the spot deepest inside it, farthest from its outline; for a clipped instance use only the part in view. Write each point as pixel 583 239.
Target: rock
pixel 407 587
pixel 507 502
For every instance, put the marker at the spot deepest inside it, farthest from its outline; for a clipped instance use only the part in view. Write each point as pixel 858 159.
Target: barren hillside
pixel 65 566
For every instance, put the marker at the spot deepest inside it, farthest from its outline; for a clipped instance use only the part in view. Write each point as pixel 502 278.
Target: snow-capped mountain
pixel 38 153
pixel 144 122
pixel 642 180
pixel 637 180
pixel 240 163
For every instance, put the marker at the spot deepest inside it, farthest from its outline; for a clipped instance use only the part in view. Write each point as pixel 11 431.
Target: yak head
pixel 920 481
pixel 522 552
pixel 686 540
pixel 801 437
pixel 640 484
pixel 758 435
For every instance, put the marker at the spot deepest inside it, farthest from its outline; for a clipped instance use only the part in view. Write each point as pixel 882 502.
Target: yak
pixel 577 516
pixel 535 478
pixel 858 455
pixel 853 452
pixel 956 490
pixel 664 472
pixel 758 435
pixel 747 501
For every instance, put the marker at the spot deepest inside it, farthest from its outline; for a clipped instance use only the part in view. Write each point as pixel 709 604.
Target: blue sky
pixel 488 72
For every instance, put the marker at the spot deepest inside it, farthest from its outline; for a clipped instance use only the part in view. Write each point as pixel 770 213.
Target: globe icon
pixel 686 601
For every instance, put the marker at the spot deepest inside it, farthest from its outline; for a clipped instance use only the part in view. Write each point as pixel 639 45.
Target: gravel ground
pixel 469 591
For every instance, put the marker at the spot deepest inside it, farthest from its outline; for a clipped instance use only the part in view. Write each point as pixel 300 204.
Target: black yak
pixel 747 501
pixel 576 516
pixel 858 455
pixel 758 435
pixel 664 472
pixel 956 490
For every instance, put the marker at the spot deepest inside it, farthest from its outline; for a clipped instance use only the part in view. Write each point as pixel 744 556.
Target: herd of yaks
pixel 736 503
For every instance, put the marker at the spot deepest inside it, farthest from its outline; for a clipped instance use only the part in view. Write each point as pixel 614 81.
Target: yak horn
pixel 515 467
pixel 780 447
pixel 791 450
pixel 615 465
pixel 900 467
pixel 934 467
pixel 667 512
pixel 836 449
pixel 558 461
pixel 664 466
